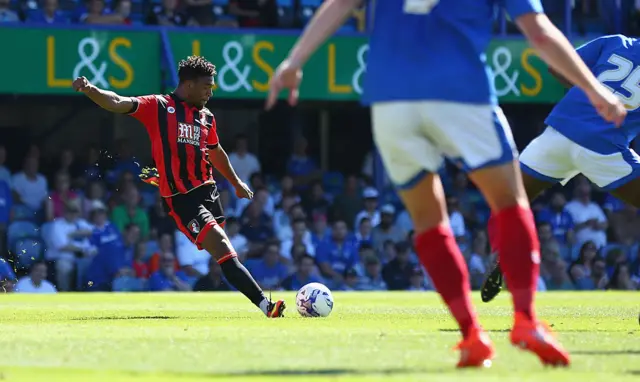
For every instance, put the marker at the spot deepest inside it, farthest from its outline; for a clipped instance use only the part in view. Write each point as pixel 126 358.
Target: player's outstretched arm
pixel 106 99
pixel 555 50
pixel 329 17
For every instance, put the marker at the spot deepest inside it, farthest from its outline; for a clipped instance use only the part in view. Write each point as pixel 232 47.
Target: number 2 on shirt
pixel 627 72
pixel 419 7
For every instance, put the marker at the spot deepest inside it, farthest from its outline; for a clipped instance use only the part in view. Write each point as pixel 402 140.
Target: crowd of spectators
pixel 588 16
pixel 178 13
pixel 99 228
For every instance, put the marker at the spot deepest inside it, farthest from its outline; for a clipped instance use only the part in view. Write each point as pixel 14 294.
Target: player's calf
pixel 218 246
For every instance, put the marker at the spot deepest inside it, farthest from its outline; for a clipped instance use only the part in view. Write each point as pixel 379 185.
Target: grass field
pixel 369 336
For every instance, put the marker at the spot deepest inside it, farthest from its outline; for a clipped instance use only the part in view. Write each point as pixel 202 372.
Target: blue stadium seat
pixel 311 3
pixel 222 3
pixel 20 230
pixel 27 251
pixel 286 16
pixel 307 9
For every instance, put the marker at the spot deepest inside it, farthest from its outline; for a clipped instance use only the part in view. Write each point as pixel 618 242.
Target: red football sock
pixel 492 232
pixel 519 255
pixel 440 255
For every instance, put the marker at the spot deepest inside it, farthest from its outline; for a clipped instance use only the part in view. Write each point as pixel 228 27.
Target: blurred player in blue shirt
pixel 578 141
pixel 432 98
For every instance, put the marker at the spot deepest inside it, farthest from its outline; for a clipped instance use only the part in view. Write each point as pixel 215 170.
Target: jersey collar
pixel 178 99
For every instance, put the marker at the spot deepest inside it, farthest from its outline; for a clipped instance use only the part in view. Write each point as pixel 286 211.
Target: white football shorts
pixel 414 137
pixel 555 158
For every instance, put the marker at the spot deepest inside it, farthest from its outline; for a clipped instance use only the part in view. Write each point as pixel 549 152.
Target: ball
pixel 314 300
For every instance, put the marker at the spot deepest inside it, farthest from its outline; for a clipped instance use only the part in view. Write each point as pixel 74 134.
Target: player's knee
pixel 501 186
pixel 215 242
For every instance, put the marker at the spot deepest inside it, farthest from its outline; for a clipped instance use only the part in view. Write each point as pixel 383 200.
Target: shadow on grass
pixel 554 329
pixel 105 318
pixel 606 352
pixel 315 373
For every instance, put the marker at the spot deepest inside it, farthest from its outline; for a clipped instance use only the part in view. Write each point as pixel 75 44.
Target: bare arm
pixel 329 17
pixel 219 159
pixel 106 99
pixel 556 50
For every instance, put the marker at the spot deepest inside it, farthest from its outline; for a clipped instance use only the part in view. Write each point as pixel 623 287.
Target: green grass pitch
pixel 386 336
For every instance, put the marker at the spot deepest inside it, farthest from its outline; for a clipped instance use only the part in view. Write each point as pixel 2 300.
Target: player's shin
pixel 440 255
pixel 519 255
pixel 240 278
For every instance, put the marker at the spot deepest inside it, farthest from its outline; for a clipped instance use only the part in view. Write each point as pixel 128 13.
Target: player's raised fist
pixel 81 84
pixel 608 105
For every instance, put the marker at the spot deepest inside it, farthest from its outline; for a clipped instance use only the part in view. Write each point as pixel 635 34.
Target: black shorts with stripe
pixel 196 212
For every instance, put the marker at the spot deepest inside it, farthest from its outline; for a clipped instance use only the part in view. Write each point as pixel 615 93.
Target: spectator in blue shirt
pixel 372 278
pixel 363 234
pixel 304 274
pixel 559 218
pixel 167 279
pixel 269 271
pixel 49 13
pixel 320 230
pixel 256 225
pixel 612 204
pixel 115 253
pixel 6 202
pixel 337 255
pixel 301 167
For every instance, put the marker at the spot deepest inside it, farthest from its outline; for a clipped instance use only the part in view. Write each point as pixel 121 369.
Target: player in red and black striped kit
pixel 185 149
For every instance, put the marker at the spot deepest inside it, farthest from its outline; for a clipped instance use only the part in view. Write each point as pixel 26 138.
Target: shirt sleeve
pixel 212 138
pixel 517 8
pixel 144 109
pixel 322 254
pixel 590 52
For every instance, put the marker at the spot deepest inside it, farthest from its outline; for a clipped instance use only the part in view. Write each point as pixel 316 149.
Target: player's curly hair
pixel 195 67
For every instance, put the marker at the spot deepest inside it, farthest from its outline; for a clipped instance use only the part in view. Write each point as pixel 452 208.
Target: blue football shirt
pixel 434 49
pixel 614 61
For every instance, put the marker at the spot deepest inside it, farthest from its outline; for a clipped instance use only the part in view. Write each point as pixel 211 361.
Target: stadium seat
pixel 307 9
pixel 20 230
pixel 27 251
pixel 286 13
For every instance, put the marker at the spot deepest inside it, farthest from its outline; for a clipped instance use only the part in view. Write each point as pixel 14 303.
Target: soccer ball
pixel 314 300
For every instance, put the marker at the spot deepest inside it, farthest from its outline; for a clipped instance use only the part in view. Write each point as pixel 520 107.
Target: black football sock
pixel 238 276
